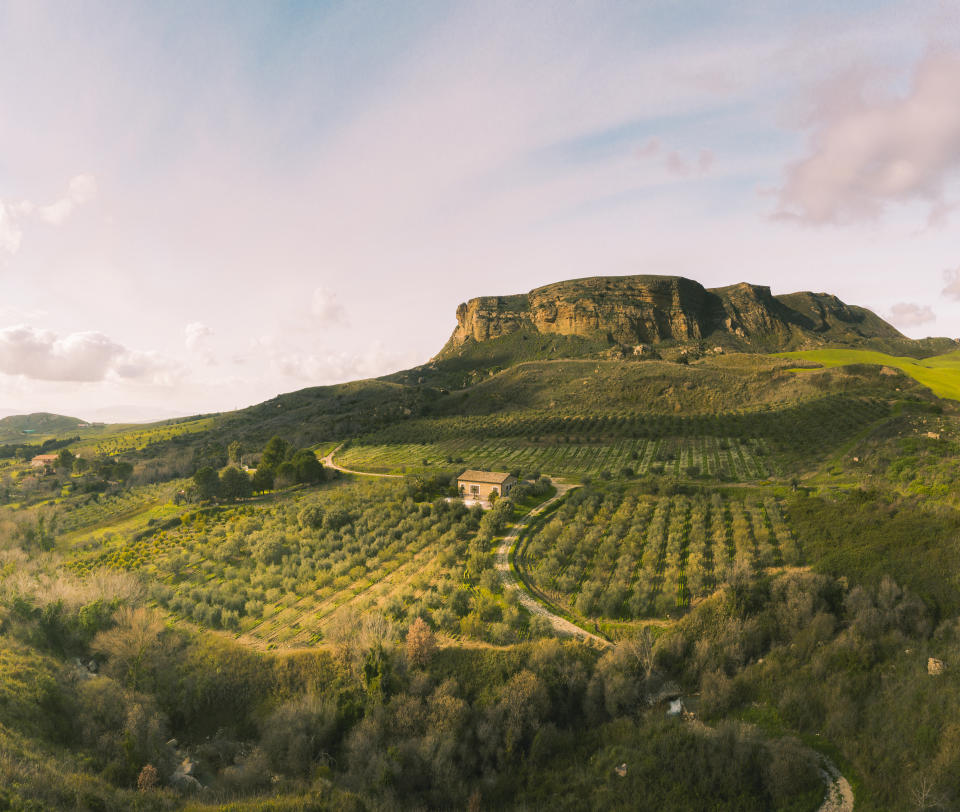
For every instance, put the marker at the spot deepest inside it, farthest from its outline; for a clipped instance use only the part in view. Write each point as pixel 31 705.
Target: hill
pixel 20 427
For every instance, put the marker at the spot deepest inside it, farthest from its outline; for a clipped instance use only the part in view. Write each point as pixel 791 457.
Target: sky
pixel 203 205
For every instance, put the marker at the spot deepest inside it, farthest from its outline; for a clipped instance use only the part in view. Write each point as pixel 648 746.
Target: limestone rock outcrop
pixel 652 310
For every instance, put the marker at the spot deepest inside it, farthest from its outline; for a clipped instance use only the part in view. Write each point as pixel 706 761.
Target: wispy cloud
pixel 367 166
pixel 867 154
pixel 675 162
pixel 910 314
pixel 952 287
pixel 82 189
pixel 196 334
pixel 326 307
pixel 320 368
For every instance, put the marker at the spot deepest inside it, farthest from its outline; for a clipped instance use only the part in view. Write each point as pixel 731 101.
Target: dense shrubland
pixel 378 718
pixel 838 664
pixel 381 716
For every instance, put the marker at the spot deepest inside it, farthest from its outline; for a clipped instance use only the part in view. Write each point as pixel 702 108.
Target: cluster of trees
pixel 80 476
pixel 384 716
pixel 848 664
pixel 103 468
pixel 255 556
pixel 281 465
pixel 25 451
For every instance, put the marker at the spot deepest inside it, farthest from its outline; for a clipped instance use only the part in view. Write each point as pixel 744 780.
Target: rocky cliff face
pixel 631 310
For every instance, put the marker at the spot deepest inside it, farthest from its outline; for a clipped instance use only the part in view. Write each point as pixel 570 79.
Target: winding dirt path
pixel 329 463
pixel 510 581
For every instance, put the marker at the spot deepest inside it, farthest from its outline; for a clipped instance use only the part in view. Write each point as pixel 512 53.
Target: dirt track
pixel 531 604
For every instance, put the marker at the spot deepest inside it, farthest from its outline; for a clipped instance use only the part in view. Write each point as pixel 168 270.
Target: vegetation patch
pixel 617 552
pixel 939 373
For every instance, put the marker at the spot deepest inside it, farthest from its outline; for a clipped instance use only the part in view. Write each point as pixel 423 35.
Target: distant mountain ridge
pixel 672 310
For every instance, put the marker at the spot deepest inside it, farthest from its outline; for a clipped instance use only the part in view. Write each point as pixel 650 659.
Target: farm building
pixel 480 484
pixel 45 461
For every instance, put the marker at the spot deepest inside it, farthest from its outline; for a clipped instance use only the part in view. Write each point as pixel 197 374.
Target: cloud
pixel 649 147
pixel 82 189
pixel 865 154
pixel 10 233
pixel 82 356
pixel 325 306
pixel 335 367
pixel 952 288
pixel 196 335
pixel 674 162
pixel 908 314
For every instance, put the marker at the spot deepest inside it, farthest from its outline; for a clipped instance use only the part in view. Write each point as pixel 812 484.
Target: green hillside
pixel 940 373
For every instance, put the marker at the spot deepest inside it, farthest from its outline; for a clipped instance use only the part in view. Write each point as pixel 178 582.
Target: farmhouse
pixel 46 461
pixel 480 484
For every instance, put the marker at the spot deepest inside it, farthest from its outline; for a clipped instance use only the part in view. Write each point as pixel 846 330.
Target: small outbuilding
pixel 481 484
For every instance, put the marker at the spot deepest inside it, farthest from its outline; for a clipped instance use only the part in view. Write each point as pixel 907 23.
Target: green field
pixel 940 373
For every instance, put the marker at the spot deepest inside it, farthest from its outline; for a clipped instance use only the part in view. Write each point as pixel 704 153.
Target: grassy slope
pixel 940 373
pixel 573 417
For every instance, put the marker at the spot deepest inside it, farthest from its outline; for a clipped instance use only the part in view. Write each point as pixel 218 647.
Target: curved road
pixel 531 604
pixel 329 463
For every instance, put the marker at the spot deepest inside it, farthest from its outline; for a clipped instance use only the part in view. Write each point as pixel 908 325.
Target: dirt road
pixel 510 581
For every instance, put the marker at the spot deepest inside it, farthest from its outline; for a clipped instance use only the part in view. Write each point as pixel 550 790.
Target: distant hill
pixel 637 315
pixel 24 427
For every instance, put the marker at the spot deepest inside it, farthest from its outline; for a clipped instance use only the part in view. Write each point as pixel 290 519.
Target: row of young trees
pixel 612 551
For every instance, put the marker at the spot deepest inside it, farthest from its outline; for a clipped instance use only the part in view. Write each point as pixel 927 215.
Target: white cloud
pixel 865 154
pixel 909 314
pixel 82 356
pixel 82 189
pixel 10 233
pixel 196 335
pixel 326 307
pixel 320 369
pixel 952 288
pixel 674 162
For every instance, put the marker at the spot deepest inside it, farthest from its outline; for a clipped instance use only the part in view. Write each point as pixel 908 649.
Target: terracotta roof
pixel 44 458
pixel 487 477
